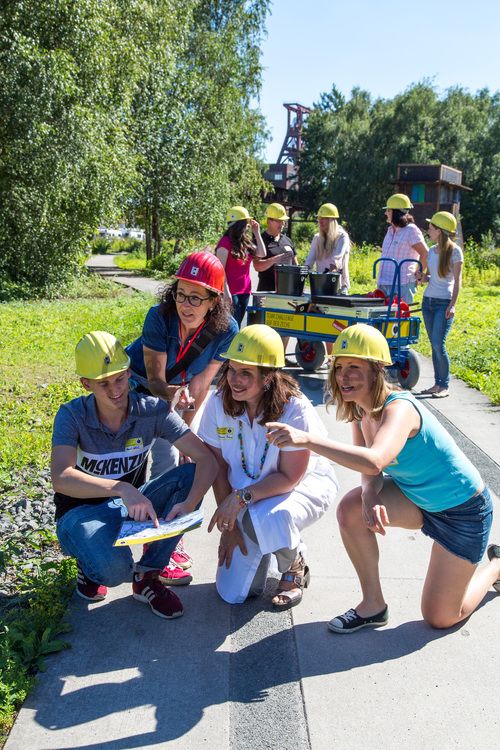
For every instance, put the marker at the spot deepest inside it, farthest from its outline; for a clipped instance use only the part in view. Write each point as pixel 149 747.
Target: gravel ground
pixel 27 530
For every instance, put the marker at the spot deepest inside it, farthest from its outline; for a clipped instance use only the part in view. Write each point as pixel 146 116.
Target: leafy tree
pixel 66 81
pixel 352 149
pixel 199 152
pixel 139 105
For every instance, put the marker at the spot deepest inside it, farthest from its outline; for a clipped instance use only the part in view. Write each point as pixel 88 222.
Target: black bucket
pixel 324 284
pixel 290 280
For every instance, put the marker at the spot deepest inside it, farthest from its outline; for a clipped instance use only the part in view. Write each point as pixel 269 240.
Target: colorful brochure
pixel 143 532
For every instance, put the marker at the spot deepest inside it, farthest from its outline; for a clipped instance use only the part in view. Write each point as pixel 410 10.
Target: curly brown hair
pixel 279 389
pixel 218 319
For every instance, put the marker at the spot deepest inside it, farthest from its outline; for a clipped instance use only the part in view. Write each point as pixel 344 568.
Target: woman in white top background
pixel 444 276
pixel 330 247
pixel 265 497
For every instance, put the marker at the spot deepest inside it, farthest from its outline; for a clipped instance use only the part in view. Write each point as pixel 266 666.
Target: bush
pixel 100 245
pixel 172 254
pixel 481 256
pixel 166 263
pixel 304 231
pixel 131 245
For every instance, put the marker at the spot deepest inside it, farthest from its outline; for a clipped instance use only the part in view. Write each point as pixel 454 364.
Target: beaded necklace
pixel 242 452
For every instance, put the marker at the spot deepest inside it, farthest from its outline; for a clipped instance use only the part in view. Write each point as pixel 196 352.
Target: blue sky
pixel 374 44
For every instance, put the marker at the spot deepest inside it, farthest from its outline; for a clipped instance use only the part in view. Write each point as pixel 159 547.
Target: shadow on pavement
pixel 179 678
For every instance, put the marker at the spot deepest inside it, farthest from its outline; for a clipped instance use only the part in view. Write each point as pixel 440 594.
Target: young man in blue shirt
pixel 100 446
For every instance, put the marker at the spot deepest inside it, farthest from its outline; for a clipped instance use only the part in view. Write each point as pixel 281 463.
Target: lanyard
pixel 184 349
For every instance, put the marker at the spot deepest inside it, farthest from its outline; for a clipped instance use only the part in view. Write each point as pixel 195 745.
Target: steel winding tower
pixel 284 173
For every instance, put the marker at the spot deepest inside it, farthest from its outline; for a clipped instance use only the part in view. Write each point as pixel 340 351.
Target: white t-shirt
pixel 441 287
pixel 338 257
pixel 221 431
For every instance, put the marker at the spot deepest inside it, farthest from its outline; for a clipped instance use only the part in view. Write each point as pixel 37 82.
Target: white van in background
pixel 124 232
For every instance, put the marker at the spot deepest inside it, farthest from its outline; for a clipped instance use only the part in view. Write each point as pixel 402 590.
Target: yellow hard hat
pixel 362 341
pixel 257 345
pixel 328 211
pixel 400 201
pixel 237 213
pixel 99 354
pixel 276 211
pixel 444 220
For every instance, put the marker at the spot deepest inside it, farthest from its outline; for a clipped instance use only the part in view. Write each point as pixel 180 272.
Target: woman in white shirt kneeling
pixel 265 497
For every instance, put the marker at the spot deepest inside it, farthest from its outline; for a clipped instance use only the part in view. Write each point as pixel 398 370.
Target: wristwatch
pixel 245 497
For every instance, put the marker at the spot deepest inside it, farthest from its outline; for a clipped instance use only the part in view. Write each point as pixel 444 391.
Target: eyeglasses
pixel 192 299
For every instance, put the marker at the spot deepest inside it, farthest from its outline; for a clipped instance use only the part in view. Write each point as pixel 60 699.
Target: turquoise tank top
pixel 431 470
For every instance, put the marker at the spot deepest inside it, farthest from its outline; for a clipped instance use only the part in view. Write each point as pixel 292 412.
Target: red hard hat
pixel 204 269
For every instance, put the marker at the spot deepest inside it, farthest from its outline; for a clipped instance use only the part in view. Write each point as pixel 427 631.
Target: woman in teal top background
pixel 413 476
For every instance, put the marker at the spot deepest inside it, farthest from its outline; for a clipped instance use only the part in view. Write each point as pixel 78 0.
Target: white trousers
pixel 277 522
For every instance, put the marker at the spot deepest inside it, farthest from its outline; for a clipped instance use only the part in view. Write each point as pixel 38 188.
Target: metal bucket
pixel 290 280
pixel 324 284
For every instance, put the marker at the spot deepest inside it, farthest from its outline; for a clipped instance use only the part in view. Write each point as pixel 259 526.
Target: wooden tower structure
pixel 431 187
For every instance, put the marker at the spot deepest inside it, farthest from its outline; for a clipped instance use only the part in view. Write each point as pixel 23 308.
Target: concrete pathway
pixel 246 677
pixel 105 266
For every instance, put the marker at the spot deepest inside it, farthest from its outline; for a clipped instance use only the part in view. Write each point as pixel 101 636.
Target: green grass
pixel 135 261
pixel 37 364
pixel 473 341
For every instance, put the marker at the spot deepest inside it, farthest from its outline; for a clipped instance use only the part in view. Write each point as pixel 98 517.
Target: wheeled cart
pixel 314 321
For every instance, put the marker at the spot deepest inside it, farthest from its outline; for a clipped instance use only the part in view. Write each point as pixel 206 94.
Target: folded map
pixel 142 532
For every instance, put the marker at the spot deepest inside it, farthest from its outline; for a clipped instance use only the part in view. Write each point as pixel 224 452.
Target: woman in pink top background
pixel 235 251
pixel 403 240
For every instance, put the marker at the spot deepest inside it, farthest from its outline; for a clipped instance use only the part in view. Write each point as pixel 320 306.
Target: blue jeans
pixel 438 327
pixel 408 291
pixel 89 531
pixel 240 304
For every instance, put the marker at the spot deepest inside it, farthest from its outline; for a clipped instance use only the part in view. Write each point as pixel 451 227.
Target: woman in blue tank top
pixel 413 476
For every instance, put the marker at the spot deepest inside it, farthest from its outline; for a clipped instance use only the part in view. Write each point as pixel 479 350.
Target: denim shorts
pixel 464 529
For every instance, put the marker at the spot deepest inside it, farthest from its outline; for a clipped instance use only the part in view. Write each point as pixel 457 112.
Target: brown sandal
pixel 293 596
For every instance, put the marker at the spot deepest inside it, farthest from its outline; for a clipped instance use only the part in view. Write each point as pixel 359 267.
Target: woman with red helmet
pixel 236 251
pixel 179 354
pixel 192 311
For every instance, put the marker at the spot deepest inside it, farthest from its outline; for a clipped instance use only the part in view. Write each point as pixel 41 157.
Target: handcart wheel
pixel 408 371
pixel 310 354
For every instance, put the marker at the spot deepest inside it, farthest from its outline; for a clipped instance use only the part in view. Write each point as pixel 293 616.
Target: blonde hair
pixel 327 240
pixel 347 411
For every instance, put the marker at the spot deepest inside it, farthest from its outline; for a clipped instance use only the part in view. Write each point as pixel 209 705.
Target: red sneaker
pixel 88 589
pixel 173 575
pixel 180 557
pixel 162 601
